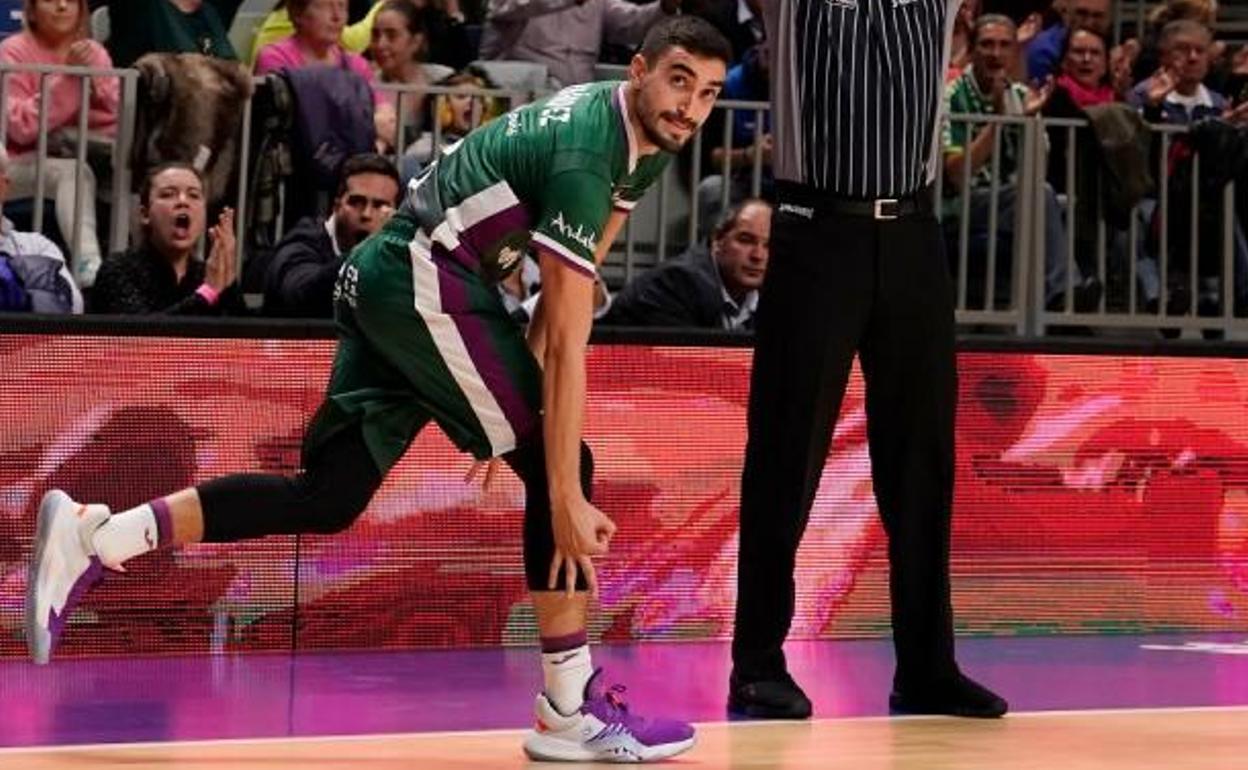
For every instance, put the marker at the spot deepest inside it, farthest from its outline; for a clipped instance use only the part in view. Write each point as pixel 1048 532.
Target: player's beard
pixel 656 136
pixel 650 124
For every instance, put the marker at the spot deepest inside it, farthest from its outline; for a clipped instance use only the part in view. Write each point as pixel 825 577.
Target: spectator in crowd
pixel 449 44
pixel 456 114
pixel 277 26
pixel 56 33
pixel 1176 92
pixel 1084 82
pixel 566 35
pixel 300 279
pixel 1085 79
pixel 398 48
pixel 1044 52
pixel 162 275
pixel 140 27
pixel 740 21
pixel 318 27
pixel 986 89
pixel 448 38
pixel 33 273
pixel 1147 53
pixel 963 30
pixel 715 288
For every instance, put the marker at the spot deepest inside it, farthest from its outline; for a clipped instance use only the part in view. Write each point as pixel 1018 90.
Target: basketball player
pixel 423 336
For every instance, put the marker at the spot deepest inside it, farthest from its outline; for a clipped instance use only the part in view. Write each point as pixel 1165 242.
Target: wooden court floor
pixel 1174 739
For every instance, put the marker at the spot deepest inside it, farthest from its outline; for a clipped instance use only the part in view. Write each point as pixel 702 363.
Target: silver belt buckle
pixel 887 208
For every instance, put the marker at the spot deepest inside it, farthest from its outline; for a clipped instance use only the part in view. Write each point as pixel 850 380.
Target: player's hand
pixel 581 532
pixel 221 268
pixel 491 468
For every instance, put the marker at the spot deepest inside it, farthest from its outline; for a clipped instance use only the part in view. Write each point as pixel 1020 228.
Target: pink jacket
pixel 287 54
pixel 65 93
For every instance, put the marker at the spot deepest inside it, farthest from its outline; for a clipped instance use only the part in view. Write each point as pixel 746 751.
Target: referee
pixel 857 266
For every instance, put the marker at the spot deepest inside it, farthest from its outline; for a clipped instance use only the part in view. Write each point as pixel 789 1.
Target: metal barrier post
pixel 41 153
pixel 120 230
pixel 1032 224
pixel 994 212
pixel 74 239
pixel 244 174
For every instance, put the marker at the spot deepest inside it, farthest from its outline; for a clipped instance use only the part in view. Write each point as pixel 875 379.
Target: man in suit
pixel 715 288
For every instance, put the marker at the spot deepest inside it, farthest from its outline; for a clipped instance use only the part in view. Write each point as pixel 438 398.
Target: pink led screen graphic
pixel 1095 494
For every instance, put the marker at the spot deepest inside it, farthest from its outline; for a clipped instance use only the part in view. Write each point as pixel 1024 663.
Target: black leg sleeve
pixel 529 463
pixel 330 494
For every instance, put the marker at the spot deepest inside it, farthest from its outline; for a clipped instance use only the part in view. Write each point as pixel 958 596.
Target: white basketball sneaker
pixel 64 567
pixel 604 730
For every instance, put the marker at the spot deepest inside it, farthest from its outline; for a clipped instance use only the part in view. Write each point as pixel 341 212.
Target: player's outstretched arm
pixel 581 530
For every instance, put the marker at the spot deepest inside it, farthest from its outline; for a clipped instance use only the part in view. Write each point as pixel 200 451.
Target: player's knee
pixel 332 509
pixel 332 519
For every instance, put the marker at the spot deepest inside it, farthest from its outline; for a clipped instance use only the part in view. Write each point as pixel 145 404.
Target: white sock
pixel 566 674
pixel 126 535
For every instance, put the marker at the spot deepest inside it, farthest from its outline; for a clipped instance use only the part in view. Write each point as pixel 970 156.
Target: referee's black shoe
pixel 777 697
pixel 958 696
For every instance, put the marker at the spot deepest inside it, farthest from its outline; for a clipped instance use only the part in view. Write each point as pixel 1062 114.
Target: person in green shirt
pixel 170 26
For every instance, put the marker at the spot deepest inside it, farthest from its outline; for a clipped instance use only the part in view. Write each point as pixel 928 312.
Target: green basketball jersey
pixel 546 174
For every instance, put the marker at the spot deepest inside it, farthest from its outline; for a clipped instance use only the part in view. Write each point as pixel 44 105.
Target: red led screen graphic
pixel 1094 494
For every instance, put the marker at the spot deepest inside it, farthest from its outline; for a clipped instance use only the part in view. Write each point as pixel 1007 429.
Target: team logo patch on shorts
pixel 508 258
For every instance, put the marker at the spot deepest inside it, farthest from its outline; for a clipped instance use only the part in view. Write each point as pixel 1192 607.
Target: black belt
pixel 806 200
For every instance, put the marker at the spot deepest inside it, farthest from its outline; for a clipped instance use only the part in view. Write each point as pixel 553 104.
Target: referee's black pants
pixel 836 285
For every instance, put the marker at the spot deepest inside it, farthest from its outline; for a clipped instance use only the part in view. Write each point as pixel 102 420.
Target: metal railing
pixel 120 143
pixel 1000 282
pixel 1159 270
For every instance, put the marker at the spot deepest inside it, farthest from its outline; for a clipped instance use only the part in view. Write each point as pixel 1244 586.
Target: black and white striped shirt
pixel 857 91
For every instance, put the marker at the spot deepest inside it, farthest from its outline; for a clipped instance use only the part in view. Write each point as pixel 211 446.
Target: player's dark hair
pixel 694 35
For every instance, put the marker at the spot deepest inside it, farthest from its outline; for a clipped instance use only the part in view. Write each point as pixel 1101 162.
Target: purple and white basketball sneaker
pixel 64 567
pixel 604 730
